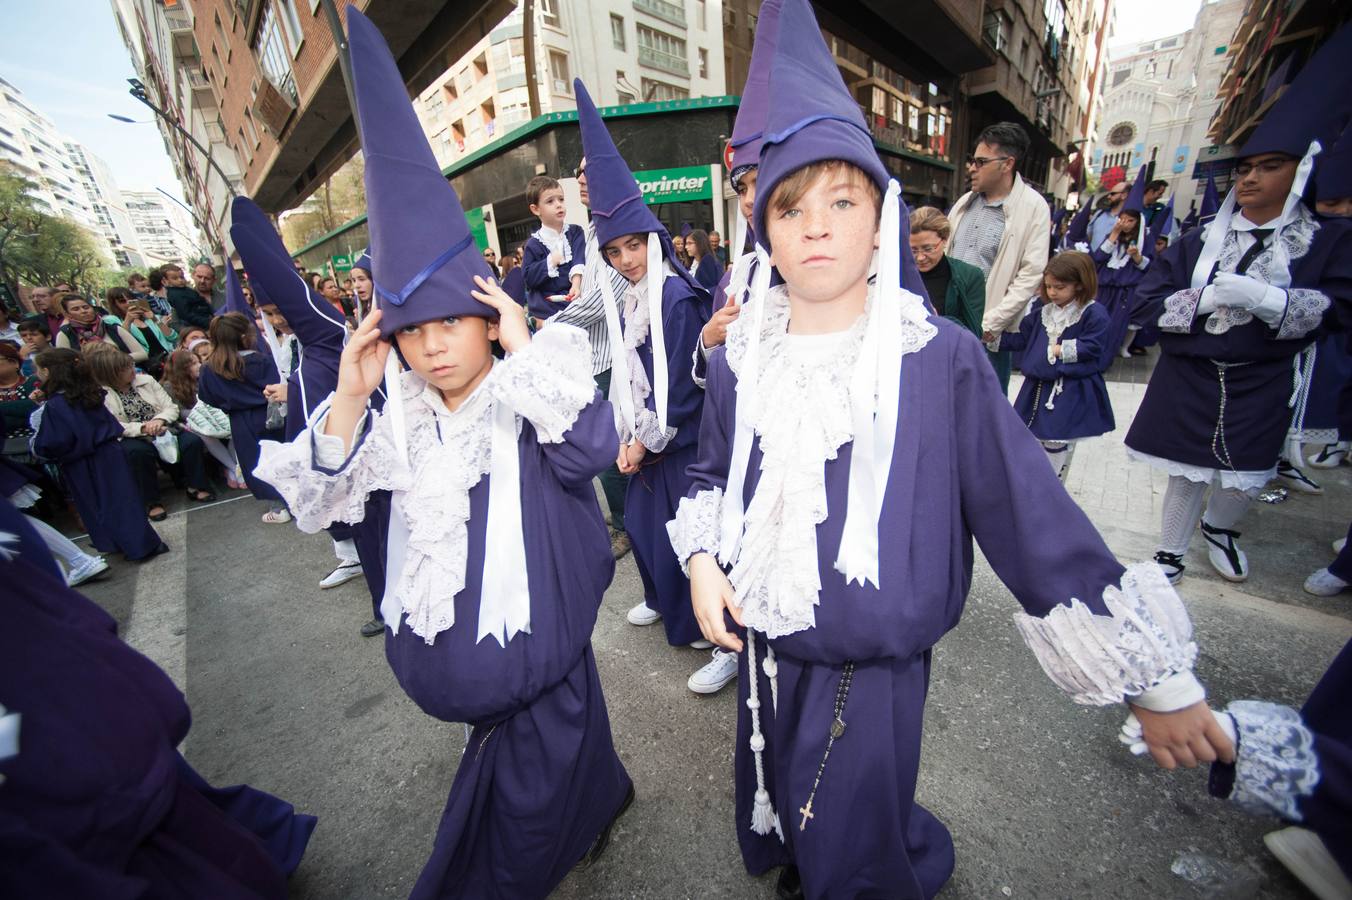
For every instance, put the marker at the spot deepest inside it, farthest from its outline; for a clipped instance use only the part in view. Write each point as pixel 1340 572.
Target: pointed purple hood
pixel 1333 172
pixel 427 254
pixel 1135 201
pixel 1211 202
pixel 749 127
pixel 1078 231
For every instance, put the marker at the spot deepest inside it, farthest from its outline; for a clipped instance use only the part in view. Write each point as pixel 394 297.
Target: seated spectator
pixel 36 338
pixel 77 432
pixel 8 331
pixel 16 404
pixel 201 418
pixel 146 412
pixel 84 325
pixel 188 336
pixel 134 315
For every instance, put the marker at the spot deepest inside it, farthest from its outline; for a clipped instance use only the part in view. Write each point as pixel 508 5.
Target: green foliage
pixel 339 200
pixel 38 248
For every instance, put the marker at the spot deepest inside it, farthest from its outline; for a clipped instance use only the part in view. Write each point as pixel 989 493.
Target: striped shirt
pixel 588 311
pixel 978 238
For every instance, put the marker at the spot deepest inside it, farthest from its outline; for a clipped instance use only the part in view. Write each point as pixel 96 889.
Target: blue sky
pixel 69 60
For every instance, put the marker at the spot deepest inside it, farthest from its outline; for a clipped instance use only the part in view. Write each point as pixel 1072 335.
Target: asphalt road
pixel 1040 797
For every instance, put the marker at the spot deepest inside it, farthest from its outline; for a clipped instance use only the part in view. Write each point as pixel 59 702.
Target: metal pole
pixel 138 90
pixel 344 52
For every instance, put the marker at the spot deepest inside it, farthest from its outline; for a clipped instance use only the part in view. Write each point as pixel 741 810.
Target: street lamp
pixel 138 90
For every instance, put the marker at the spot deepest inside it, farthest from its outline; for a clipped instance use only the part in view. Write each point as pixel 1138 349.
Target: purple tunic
pixel 243 401
pixel 1180 417
pixel 654 492
pixel 85 444
pixel 1078 397
pixel 98 803
pixel 868 837
pixel 535 272
pixel 1117 292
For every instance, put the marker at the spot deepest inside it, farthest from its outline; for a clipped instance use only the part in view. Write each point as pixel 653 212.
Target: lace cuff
pixel 577 269
pixel 1180 308
pixel 1100 660
pixel 1070 351
pixel 318 493
pixel 695 528
pixel 549 381
pixel 654 439
pixel 1305 309
pixel 1275 765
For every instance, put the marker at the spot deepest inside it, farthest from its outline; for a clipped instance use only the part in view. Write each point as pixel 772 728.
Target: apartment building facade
pixel 165 231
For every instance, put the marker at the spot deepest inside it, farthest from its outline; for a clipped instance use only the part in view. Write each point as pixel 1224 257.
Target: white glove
pixel 1243 292
pixel 1206 304
pixel 1133 737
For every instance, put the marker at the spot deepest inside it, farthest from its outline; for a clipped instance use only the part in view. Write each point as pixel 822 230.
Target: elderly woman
pixel 956 289
pixel 146 412
pixel 83 325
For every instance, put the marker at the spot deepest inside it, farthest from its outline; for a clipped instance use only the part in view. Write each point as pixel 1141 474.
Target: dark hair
pixel 67 373
pixel 702 243
pixel 133 278
pixel 34 323
pixel 1159 184
pixel 229 334
pixel 114 296
pixel 156 278
pixel 1072 267
pixel 178 381
pixel 1125 237
pixel 536 187
pixel 1009 138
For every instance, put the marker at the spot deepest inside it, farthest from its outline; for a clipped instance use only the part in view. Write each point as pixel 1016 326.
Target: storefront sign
pixel 675 185
pixel 342 262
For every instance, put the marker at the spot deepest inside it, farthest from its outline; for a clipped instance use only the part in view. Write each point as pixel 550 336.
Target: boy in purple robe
pixel 554 258
pixel 95 800
pixel 852 447
pixel 497 554
pixel 1236 301
pixel 656 401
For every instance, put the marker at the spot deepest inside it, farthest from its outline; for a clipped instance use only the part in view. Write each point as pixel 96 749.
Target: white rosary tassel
pixel 1056 389
pixel 621 392
pixel 656 280
pixel 771 668
pixel 764 819
pixel 734 509
pixel 504 601
pixel 874 388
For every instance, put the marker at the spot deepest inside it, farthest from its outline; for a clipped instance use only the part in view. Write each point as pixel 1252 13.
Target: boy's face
pixel 551 210
pixel 140 285
pixel 823 244
pixel 1263 181
pixel 1339 208
pixel 276 319
pixel 629 256
pixel 746 194
pixel 450 354
pixel 34 338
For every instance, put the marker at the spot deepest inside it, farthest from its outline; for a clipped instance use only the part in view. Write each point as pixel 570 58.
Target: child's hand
pixel 1184 737
pixel 1135 253
pixel 556 259
pixel 715 331
pixel 631 455
pixel 513 332
pixel 710 594
pixel 1056 351
pixel 275 393
pixel 362 365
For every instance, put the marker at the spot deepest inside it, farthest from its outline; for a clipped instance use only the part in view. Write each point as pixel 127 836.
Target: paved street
pixel 1041 799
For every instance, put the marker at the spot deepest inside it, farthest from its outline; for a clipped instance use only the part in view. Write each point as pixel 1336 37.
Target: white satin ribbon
pixel 504 595
pixel 621 393
pixel 1221 225
pixel 656 281
pixel 734 509
pixel 877 373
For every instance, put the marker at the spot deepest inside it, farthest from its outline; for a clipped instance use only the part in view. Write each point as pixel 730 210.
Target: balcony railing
pixel 664 10
pixel 666 62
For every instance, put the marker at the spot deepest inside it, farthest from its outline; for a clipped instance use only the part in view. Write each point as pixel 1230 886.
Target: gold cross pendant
pixel 807 814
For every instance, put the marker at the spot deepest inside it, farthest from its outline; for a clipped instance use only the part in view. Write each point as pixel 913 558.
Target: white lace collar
pixel 1056 319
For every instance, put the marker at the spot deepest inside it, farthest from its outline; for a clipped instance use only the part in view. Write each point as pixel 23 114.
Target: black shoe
pixel 373 628
pixel 790 885
pixel 603 839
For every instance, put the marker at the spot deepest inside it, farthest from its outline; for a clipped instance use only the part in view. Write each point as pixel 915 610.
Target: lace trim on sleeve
pixel 1100 660
pixel 1276 764
pixel 695 528
pixel 319 495
pixel 1180 308
pixel 1305 310
pixel 549 381
pixel 1070 351
pixel 654 439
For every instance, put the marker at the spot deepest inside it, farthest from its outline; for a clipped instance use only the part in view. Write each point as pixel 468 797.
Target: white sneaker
pixel 643 614
pixel 1339 544
pixel 92 567
pixel 1224 554
pixel 277 516
pixel 715 674
pixel 701 644
pixel 1330 456
pixel 1325 584
pixel 344 573
pixel 1305 855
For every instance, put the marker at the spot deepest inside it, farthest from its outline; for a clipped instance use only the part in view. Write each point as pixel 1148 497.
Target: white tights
pixel 1059 454
pixel 223 453
pixel 1183 506
pixel 346 551
pixel 62 547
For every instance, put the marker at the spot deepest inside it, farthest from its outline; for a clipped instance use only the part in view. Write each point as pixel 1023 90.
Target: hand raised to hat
pixel 513 332
pixel 362 365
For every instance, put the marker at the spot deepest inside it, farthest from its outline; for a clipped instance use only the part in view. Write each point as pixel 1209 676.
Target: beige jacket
pixel 165 408
pixel 1017 270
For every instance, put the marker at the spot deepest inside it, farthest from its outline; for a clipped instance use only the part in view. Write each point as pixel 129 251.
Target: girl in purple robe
pixel 498 554
pixel 1122 261
pixel 78 433
pixel 851 448
pixel 1063 342
pixel 233 380
pixel 95 801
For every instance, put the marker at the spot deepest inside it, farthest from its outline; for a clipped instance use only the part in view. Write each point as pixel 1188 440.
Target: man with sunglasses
pixel 1001 226
pixel 491 257
pixel 1103 221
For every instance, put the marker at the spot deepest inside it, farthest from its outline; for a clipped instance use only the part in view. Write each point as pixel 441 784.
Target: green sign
pixel 342 262
pixel 475 217
pixel 675 185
